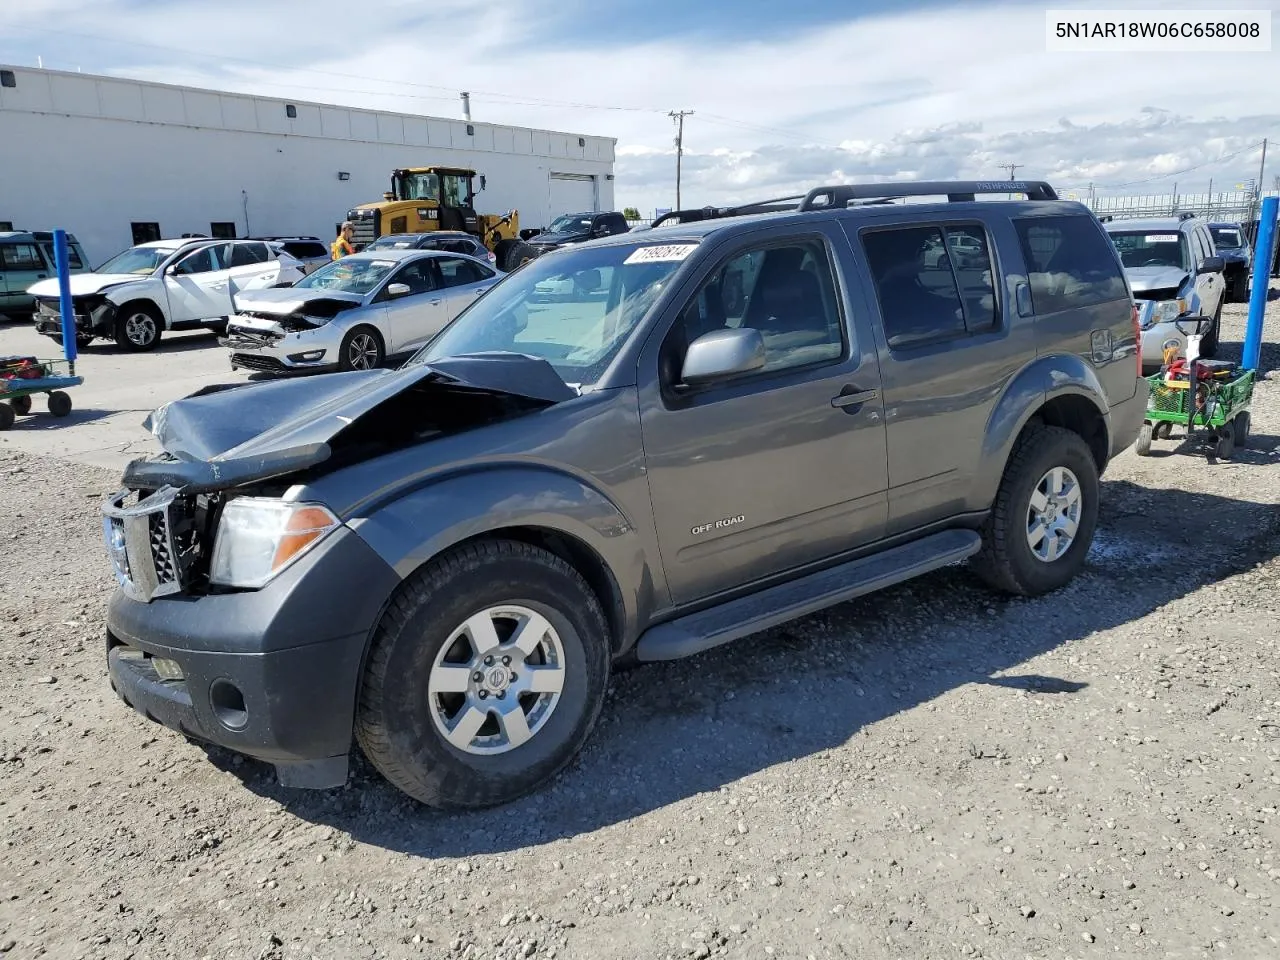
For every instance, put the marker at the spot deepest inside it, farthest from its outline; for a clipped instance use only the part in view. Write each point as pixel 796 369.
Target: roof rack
pixel 956 191
pixel 868 194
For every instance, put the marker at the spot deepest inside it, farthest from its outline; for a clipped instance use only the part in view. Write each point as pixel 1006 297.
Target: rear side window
pixel 20 256
pixel 1070 263
pixel 933 283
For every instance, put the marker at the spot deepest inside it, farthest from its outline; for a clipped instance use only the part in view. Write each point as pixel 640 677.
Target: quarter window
pixel 787 292
pixel 1069 263
pixel 933 283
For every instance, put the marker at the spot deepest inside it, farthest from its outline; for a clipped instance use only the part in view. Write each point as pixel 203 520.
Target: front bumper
pixel 269 673
pixel 272 352
pixel 94 317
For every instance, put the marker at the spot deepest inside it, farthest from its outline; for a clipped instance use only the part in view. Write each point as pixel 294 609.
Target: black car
pixel 565 231
pixel 451 241
pixel 1233 247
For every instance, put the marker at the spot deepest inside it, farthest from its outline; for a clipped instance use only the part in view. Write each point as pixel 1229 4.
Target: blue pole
pixel 64 299
pixel 1261 280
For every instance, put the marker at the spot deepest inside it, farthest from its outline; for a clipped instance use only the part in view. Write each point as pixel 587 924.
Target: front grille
pixel 366 225
pixel 254 361
pixel 153 541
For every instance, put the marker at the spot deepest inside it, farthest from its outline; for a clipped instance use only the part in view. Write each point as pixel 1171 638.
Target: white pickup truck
pixel 163 285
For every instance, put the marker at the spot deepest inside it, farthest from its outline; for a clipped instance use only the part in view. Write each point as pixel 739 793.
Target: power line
pixel 678 116
pixel 1011 167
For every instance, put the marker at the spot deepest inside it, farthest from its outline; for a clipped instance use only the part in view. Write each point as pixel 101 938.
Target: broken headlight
pixel 259 537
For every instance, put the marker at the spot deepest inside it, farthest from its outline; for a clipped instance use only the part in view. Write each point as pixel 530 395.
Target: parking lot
pixel 928 772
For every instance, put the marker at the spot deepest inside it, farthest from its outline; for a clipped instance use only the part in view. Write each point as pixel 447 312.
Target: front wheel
pixel 1042 522
pixel 486 675
pixel 361 349
pixel 1143 444
pixel 138 328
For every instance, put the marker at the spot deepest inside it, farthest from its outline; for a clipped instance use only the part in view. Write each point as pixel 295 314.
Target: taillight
pixel 1137 339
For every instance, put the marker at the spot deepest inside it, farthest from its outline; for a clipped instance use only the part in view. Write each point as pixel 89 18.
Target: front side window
pixel 348 275
pixel 454 190
pixel 74 261
pixel 785 291
pixel 1069 263
pixel 205 260
pixel 574 308
pixel 248 254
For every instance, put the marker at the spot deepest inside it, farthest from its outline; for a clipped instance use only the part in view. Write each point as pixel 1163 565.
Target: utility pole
pixel 1254 204
pixel 1011 167
pixel 678 116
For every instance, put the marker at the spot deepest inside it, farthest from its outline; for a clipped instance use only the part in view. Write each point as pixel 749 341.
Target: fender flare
pixel 419 524
pixel 1045 379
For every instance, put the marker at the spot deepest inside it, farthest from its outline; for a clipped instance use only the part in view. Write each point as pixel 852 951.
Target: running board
pixel 705 629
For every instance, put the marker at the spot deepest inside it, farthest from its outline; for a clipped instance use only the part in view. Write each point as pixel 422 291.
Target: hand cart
pixel 23 377
pixel 1214 395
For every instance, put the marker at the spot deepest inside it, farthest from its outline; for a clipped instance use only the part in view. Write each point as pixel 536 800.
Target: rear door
pixel 782 467
pixel 251 266
pixel 946 349
pixel 462 280
pixel 21 265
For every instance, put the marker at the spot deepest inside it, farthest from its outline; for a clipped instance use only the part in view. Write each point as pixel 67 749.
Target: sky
pixel 785 95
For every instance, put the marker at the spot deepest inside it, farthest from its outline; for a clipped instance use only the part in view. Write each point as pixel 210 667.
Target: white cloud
pixel 944 92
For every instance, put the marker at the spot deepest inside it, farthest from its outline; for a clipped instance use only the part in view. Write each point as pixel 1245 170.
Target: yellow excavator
pixel 424 199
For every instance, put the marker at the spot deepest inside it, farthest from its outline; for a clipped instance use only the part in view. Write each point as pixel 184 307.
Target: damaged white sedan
pixel 356 312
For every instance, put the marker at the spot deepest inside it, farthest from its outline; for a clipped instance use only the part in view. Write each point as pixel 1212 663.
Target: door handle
pixel 853 397
pixel 435 303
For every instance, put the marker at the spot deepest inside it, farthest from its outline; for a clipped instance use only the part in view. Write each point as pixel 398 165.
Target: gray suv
pixel 725 423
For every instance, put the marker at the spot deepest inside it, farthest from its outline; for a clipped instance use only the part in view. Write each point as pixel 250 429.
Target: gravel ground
pixel 930 772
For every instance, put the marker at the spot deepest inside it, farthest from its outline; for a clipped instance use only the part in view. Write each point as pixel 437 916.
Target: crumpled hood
pixel 1142 279
pixel 83 283
pixel 283 300
pixel 229 434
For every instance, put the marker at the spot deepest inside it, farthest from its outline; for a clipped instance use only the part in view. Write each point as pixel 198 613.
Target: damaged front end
pixel 168 530
pixel 95 316
pixel 283 329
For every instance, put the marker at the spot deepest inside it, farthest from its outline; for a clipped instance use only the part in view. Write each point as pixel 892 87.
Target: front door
pixel 414 316
pixel 780 467
pixel 200 286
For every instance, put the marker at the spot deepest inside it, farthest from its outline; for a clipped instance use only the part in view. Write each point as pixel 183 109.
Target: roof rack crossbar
pixel 956 191
pixel 774 205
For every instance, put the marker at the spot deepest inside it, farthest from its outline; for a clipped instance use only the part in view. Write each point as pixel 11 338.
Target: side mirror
pixel 398 290
pixel 1212 265
pixel 602 230
pixel 721 354
pixel 482 181
pixel 171 270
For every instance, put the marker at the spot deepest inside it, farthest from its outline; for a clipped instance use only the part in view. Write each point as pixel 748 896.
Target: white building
pixel 118 161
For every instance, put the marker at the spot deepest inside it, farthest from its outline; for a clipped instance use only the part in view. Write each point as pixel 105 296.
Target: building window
pixel 291 111
pixel 7 79
pixel 222 230
pixel 145 232
pixel 6 226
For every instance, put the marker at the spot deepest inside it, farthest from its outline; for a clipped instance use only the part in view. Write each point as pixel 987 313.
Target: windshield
pixel 348 275
pixel 141 260
pixel 1144 249
pixel 418 186
pixel 1224 237
pixel 570 224
pixel 572 309
pixel 390 243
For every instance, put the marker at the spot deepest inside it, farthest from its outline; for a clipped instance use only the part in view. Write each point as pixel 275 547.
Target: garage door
pixel 571 193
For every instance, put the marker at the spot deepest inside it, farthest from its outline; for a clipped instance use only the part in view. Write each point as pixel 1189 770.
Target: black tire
pixel 1240 288
pixel 1242 423
pixel 59 403
pixel 21 405
pixel 7 416
pixel 1143 444
pixel 396 725
pixel 502 251
pixel 1006 561
pixel 362 349
pixel 1209 343
pixel 1163 430
pixel 1224 447
pixel 139 327
pixel 82 339
pixel 520 253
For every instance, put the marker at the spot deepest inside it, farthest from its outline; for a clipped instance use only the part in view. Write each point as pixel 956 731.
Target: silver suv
pixel 1175 272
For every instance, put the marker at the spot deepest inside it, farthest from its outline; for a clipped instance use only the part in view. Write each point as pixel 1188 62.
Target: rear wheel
pixel 361 349
pixel 7 416
pixel 1242 424
pixel 21 405
pixel 520 253
pixel 1143 443
pixel 1225 444
pixel 1042 522
pixel 59 403
pixel 485 677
